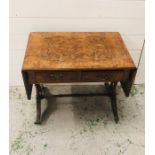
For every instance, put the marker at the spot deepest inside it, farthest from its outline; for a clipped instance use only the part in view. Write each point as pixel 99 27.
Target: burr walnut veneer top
pixel 76 50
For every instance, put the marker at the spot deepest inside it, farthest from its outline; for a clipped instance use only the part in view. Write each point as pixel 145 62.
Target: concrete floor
pixel 77 125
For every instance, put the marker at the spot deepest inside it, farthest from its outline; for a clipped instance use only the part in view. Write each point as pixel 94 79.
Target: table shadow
pixel 86 108
pixel 92 109
pixel 51 106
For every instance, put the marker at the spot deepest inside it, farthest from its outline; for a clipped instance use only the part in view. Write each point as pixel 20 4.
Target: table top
pixel 76 50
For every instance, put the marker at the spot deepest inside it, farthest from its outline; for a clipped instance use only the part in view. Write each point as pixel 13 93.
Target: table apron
pixel 78 76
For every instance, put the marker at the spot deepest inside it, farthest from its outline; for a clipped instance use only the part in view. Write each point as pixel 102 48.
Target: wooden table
pixel 65 57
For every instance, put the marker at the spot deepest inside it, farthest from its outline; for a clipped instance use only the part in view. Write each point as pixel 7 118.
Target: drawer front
pixel 105 76
pixel 78 76
pixel 54 76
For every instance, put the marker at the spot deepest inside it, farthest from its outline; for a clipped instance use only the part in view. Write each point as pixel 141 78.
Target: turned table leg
pixel 39 95
pixel 112 94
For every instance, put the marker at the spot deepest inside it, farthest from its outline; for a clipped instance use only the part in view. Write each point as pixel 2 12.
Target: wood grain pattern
pixel 77 76
pixel 75 50
pixel 53 76
pixel 104 76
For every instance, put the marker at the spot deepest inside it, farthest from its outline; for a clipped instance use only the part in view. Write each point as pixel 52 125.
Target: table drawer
pixel 111 75
pixel 54 76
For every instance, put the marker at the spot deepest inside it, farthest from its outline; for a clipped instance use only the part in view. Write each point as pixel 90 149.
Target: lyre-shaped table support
pixel 111 92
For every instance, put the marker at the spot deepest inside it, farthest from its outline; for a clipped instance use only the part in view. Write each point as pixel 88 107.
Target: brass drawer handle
pixel 56 76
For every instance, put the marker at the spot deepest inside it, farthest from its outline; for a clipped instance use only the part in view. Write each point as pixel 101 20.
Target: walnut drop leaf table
pixel 66 57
